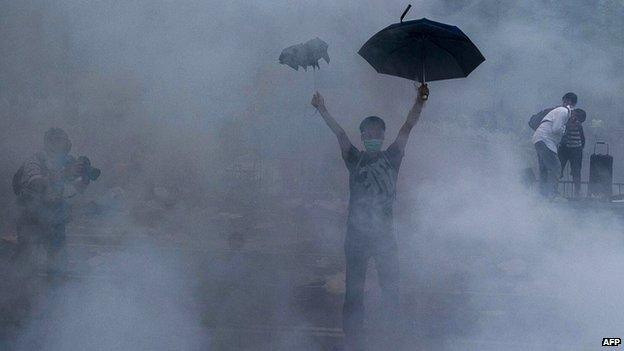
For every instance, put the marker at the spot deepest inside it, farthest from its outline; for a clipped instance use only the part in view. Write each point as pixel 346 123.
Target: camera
pixel 89 171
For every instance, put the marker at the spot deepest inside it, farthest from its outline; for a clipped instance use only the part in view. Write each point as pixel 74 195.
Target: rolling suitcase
pixel 600 173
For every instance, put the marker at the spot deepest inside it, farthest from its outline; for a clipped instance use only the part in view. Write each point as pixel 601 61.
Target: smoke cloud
pixel 219 219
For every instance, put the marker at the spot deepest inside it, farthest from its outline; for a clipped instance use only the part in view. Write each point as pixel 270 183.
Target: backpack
pixel 19 175
pixel 538 118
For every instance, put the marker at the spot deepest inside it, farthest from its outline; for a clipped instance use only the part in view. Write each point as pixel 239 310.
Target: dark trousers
pixel 574 155
pixel 549 169
pixel 384 251
pixel 51 236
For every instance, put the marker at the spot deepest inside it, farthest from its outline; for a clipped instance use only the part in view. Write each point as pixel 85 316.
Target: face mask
pixel 373 144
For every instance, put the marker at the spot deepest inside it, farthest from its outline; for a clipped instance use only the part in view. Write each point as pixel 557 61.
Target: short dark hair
pixel 372 121
pixel 54 135
pixel 580 114
pixel 570 96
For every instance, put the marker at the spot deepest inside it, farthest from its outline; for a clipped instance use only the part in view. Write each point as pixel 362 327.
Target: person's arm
pixel 412 118
pixel 582 136
pixel 319 103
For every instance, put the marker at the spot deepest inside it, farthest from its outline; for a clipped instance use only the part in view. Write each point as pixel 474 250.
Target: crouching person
pixel 42 185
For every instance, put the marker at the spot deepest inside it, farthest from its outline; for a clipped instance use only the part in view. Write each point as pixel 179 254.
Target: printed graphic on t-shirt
pixel 374 181
pixel 372 185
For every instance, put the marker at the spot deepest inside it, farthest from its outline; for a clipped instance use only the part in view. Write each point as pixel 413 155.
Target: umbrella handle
pixel 423 91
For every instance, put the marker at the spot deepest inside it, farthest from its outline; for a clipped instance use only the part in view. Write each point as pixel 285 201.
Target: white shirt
pixel 552 128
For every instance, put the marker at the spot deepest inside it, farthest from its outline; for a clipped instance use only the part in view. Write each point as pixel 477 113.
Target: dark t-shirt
pixel 372 189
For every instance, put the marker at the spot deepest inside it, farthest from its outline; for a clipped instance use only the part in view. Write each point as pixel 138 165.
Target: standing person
pixel 372 189
pixel 546 140
pixel 571 147
pixel 40 186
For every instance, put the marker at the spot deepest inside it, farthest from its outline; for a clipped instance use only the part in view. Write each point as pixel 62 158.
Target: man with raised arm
pixel 370 233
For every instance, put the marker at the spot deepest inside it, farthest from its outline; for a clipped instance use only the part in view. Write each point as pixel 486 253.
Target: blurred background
pixel 219 218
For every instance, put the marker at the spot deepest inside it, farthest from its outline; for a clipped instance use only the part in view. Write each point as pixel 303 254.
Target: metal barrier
pixel 568 188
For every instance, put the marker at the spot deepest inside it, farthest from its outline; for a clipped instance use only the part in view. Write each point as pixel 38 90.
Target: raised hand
pixel 317 101
pixel 423 93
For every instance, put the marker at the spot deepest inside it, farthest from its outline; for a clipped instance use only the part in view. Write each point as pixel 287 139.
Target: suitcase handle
pixel 602 143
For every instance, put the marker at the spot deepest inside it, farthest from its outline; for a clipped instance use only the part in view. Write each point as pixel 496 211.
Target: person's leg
pixel 551 163
pixel 387 264
pixel 353 308
pixel 576 163
pixel 29 233
pixel 564 157
pixel 55 247
pixel 23 256
pixel 554 168
pixel 543 172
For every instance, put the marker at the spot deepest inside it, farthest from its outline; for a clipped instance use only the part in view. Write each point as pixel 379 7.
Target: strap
pixel 569 113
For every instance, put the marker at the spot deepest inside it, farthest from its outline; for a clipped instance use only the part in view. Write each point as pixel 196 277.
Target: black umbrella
pixel 422 50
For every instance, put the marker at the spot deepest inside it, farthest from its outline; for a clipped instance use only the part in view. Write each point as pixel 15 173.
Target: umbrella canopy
pixel 422 50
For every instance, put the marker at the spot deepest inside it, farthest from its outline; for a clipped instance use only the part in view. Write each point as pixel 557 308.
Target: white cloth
pixel 552 128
